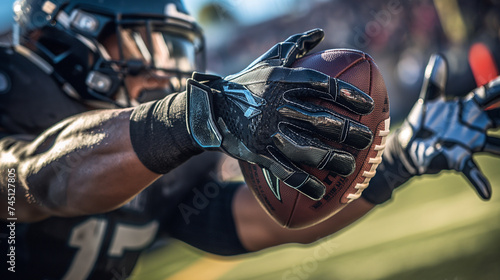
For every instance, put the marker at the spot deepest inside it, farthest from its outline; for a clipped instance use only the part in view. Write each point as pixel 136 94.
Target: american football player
pixel 103 84
pixel 107 146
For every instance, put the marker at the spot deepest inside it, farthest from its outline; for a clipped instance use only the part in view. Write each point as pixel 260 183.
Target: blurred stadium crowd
pixel 400 35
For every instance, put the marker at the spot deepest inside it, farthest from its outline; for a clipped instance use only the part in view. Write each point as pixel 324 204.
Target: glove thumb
pixel 477 179
pixel 435 78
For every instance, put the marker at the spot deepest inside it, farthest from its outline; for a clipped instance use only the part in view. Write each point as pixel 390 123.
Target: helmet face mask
pixel 94 47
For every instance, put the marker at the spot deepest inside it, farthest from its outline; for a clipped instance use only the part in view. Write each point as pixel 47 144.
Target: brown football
pixel 294 210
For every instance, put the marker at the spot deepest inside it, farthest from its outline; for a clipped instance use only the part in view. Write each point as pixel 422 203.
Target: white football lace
pixel 375 161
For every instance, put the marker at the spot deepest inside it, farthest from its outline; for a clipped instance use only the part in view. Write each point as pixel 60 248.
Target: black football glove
pixel 440 134
pixel 264 115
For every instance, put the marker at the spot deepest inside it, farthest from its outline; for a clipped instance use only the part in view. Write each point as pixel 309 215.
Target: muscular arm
pixel 82 165
pixel 258 231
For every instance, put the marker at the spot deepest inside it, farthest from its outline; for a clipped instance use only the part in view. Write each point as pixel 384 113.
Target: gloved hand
pixel 264 115
pixel 440 134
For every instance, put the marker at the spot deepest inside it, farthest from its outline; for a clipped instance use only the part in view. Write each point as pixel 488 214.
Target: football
pixel 292 209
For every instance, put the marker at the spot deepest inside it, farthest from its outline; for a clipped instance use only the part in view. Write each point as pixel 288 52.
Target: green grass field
pixel 435 228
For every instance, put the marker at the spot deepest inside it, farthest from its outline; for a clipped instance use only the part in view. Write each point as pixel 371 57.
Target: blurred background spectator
pixel 399 35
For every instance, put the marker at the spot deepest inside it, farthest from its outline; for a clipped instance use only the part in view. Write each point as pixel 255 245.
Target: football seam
pixel 289 220
pixel 371 78
pixel 356 62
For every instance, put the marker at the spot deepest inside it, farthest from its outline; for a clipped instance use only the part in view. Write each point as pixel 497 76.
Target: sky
pixel 248 11
pixel 6 19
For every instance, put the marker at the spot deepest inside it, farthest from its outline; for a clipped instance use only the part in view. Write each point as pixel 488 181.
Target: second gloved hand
pixel 440 134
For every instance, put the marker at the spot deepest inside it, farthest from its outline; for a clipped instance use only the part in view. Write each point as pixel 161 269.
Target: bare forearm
pixel 103 172
pixel 97 161
pixel 83 165
pixel 258 231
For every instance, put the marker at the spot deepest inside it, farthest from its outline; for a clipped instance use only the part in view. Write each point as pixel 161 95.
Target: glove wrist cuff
pixel 200 116
pixel 159 135
pixel 391 173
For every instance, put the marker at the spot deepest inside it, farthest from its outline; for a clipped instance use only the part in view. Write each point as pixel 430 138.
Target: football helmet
pixel 66 38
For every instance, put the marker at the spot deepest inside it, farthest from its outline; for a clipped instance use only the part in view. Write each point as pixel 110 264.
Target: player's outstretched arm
pixel 97 161
pixel 84 164
pixel 257 230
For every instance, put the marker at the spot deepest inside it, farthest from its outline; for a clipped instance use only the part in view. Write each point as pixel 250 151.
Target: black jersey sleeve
pixel 194 204
pixel 205 219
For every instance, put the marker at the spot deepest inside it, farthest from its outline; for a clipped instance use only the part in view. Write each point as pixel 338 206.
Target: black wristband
pixel 159 133
pixel 391 173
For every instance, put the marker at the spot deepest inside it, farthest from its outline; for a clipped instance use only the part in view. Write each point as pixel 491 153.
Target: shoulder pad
pixel 30 99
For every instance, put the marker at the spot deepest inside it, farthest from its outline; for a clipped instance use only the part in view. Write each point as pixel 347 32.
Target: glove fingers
pixel 312 152
pixel 492 145
pixel 298 45
pixel 287 52
pixel 328 88
pixel 306 184
pixel 294 177
pixel 477 179
pixel 435 78
pixel 278 165
pixel 330 126
pixel 350 97
pixel 494 115
pixel 488 96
